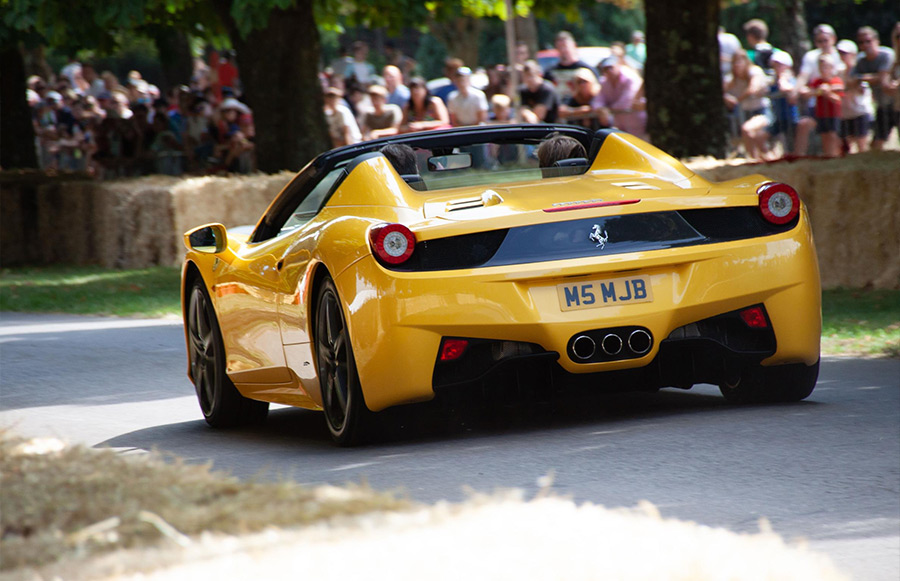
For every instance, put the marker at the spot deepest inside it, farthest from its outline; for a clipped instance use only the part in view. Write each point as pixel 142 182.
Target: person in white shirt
pixel 467 105
pixel 826 41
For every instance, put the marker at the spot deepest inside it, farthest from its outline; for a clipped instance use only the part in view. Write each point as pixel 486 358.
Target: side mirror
pixel 209 239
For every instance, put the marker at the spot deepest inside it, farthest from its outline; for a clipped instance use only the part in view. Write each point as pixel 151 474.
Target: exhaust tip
pixel 611 344
pixel 640 341
pixel 583 347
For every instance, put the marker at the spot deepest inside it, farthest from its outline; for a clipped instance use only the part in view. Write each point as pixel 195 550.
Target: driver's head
pixel 402 157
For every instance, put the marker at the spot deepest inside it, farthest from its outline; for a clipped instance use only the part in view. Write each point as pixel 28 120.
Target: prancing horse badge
pixel 597 237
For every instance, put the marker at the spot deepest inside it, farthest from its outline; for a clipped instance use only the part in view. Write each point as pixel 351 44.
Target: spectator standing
pixel 828 89
pixel 618 91
pixel 756 31
pixel 874 67
pixel 342 126
pixel 856 105
pixel 451 65
pixel 826 41
pixel 637 48
pixel 728 45
pixel 226 75
pixel 384 118
pixel 423 111
pixel 894 84
pixel 746 90
pixel 397 92
pixel 395 57
pixel 563 72
pixel 537 95
pixel 467 105
pixel 784 97
pixel 361 69
pixel 94 82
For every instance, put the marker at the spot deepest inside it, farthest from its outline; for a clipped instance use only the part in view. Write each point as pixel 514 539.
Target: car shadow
pixel 288 434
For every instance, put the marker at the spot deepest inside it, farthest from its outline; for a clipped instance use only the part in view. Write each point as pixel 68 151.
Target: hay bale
pixel 854 205
pixel 232 201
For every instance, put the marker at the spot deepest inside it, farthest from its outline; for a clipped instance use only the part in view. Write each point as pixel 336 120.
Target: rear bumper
pixel 397 320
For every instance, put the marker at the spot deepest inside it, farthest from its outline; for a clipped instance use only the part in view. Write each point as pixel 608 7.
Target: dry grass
pixel 60 501
pixel 76 513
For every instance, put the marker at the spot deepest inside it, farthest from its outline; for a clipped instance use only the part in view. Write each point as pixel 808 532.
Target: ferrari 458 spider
pixel 373 281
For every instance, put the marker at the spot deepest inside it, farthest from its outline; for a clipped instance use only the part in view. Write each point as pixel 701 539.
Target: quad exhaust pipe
pixel 612 344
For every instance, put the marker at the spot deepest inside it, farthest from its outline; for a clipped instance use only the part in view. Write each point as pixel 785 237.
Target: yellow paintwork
pixel 263 293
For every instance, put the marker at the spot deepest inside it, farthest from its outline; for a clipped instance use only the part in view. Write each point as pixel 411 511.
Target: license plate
pixel 604 293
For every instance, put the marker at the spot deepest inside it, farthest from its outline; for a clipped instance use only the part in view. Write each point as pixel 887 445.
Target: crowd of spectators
pixel 846 92
pixel 89 122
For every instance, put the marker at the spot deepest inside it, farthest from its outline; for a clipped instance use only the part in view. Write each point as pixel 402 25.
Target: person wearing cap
pixel 342 126
pixel 618 91
pixel 467 105
pixel 383 119
pixel 783 96
pixel 563 72
pixel 451 65
pixel 856 105
pixel 579 108
pixel 873 65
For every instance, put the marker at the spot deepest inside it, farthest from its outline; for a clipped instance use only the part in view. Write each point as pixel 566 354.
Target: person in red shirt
pixel 828 90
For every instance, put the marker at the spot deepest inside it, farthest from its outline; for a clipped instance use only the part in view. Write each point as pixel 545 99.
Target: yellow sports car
pixel 393 270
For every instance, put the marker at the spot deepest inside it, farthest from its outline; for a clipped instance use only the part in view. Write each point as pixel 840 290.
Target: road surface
pixel 826 469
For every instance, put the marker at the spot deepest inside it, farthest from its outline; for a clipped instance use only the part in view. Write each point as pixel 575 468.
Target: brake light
pixel 755 317
pixel 392 243
pixel 452 349
pixel 779 203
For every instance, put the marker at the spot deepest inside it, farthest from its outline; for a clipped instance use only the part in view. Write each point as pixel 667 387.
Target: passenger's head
pixel 402 157
pixel 557 148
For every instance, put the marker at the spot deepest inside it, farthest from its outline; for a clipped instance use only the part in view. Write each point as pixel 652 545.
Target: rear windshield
pixel 484 164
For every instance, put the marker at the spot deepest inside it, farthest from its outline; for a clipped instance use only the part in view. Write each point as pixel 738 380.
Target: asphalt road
pixel 826 469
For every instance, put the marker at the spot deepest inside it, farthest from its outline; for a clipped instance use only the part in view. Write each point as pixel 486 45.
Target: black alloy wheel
pixel 345 411
pixel 221 403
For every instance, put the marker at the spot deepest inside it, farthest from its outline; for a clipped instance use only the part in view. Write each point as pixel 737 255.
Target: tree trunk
pixel 174 56
pixel 683 84
pixel 279 73
pixel 16 131
pixel 790 30
pixel 460 36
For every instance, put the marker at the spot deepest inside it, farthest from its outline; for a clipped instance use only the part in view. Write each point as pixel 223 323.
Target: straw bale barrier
pixel 854 203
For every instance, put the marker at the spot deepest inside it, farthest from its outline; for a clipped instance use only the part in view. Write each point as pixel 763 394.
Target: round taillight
pixel 392 243
pixel 779 203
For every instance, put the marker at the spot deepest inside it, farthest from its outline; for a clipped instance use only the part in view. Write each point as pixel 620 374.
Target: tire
pixel 346 413
pixel 221 403
pixel 778 384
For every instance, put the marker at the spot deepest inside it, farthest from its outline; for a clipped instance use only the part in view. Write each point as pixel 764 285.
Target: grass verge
pixel 92 290
pixel 72 501
pixel 861 322
pixel 855 322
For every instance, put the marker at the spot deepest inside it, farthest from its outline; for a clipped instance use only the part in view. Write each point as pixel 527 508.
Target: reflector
pixel 755 317
pixel 452 349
